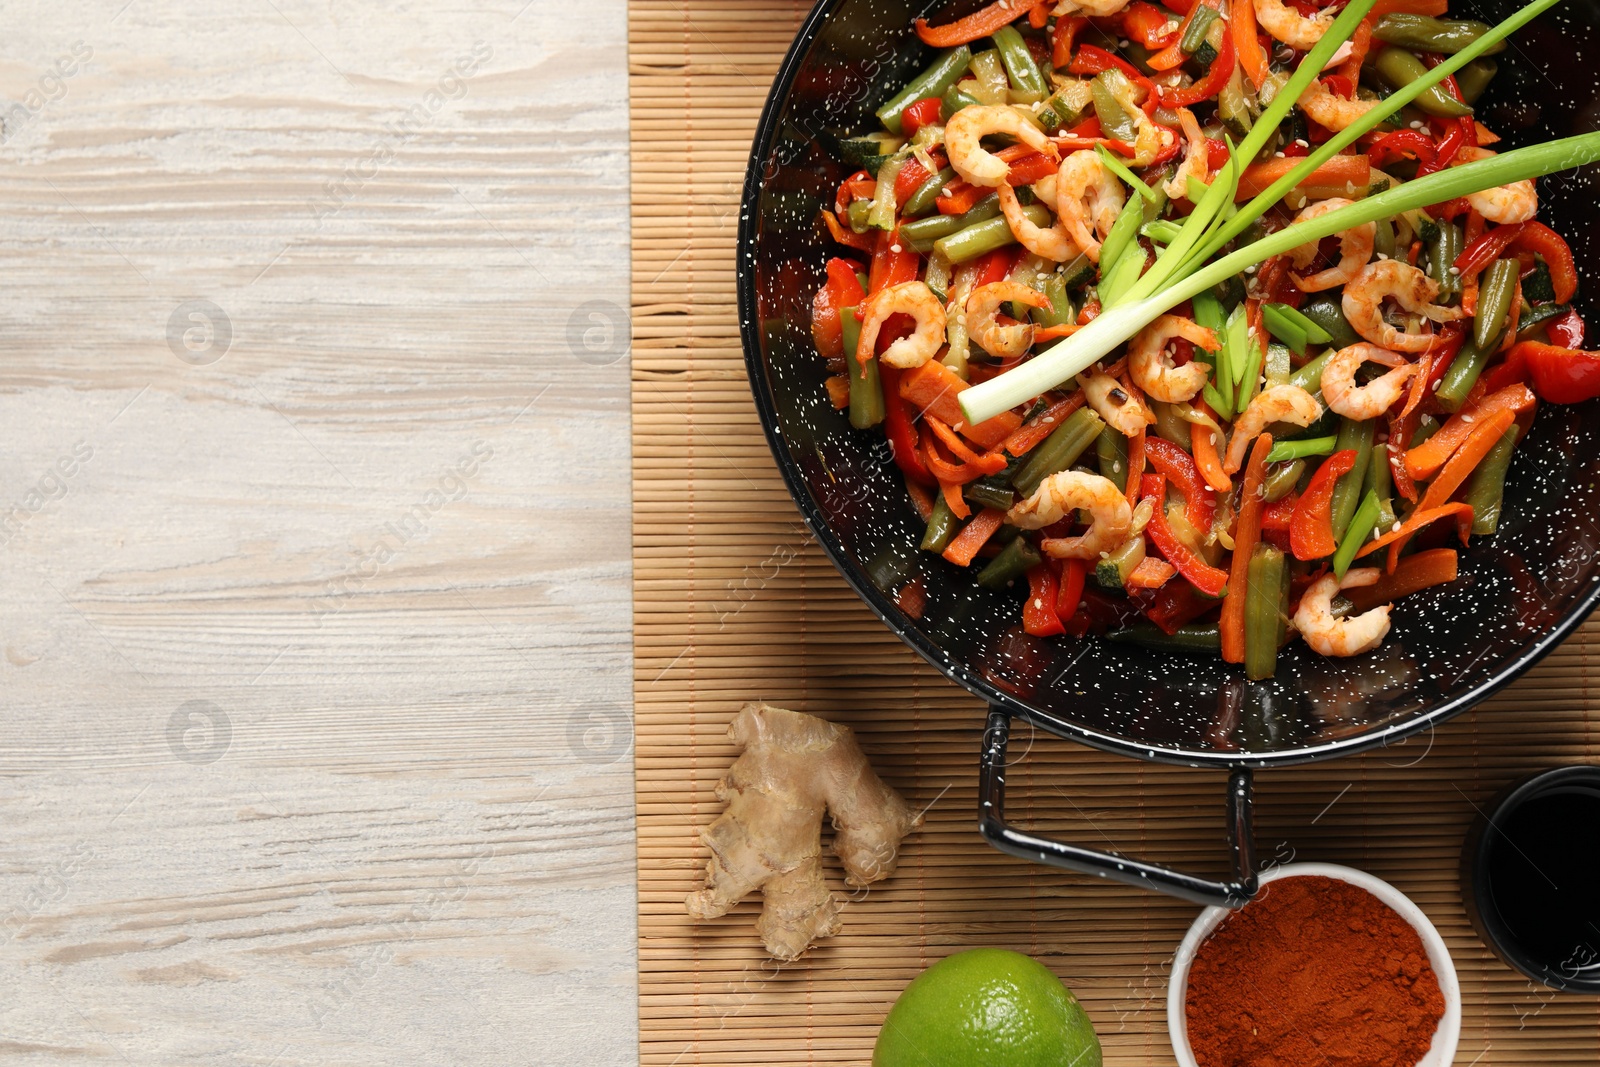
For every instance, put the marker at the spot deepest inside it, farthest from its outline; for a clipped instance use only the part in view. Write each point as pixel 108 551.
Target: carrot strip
pixel 1050 333
pixel 974 535
pixel 1513 320
pixel 1151 573
pixel 861 242
pixel 1039 14
pixel 1247 533
pixel 1433 567
pixel 954 500
pixel 1485 434
pixel 838 391
pixel 1425 460
pixel 1416 522
pixel 980 23
pixel 1135 466
pixel 1248 49
pixel 1360 44
pixel 1337 177
pixel 1173 56
pixel 921 498
pixel 1202 440
pixel 1035 430
pixel 934 388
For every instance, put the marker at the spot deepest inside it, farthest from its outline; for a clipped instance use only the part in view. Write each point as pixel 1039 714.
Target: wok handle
pixel 1007 838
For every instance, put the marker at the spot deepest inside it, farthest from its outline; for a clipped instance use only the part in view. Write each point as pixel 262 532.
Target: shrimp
pixel 1517 202
pixel 1363 402
pixel 1300 32
pixel 1088 199
pixel 1153 370
pixel 1410 288
pixel 1355 248
pixel 907 298
pixel 1051 242
pixel 1331 110
pixel 984 305
pixel 970 125
pixel 1124 413
pixel 1057 496
pixel 1196 160
pixel 1340 637
pixel 1281 403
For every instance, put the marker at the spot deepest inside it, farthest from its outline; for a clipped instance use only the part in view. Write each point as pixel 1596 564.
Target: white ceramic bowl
pixel 1443 1050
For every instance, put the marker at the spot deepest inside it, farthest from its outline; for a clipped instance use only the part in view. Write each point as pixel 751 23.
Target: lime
pixel 987 1007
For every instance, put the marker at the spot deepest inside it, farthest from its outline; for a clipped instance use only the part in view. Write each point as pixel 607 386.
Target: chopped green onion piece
pixel 1161 231
pixel 1123 231
pixel 1124 275
pixel 1314 332
pixel 1223 409
pixel 1283 451
pixel 1117 167
pixel 1284 328
pixel 1238 345
pixel 1360 529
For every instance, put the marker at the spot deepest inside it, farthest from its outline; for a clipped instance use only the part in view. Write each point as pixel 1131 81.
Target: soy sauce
pixel 1544 876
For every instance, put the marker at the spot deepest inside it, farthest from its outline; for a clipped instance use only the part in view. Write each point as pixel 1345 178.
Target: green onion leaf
pixel 1120 169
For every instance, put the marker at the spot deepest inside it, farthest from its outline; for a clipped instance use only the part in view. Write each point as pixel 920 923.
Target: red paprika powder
pixel 1314 972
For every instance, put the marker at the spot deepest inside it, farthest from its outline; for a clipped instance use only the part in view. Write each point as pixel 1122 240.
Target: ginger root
pixel 770 836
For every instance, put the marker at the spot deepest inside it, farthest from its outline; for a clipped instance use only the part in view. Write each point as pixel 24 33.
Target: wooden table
pixel 313 531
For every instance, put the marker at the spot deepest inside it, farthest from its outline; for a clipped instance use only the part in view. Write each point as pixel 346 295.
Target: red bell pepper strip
pixel 994 266
pixel 861 242
pixel 1279 516
pixel 1311 527
pixel 1560 375
pixel 859 186
pixel 1402 144
pixel 890 267
pixel 1176 604
pixel 1458 134
pixel 910 179
pixel 898 429
pixel 980 23
pixel 1061 40
pixel 1566 331
pixel 1039 616
pixel 1092 60
pixel 1178 467
pixel 1149 25
pixel 1247 534
pixel 1216 79
pixel 1486 249
pixel 1537 237
pixel 841 290
pixel 1212 581
pixel 925 112
pixel 1033 167
pixel 1069 593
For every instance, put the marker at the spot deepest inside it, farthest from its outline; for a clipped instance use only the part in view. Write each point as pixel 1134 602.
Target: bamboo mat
pixel 733 602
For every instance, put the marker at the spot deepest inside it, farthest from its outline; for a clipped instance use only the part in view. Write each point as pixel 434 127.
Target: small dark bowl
pixel 1494 926
pixel 1519 593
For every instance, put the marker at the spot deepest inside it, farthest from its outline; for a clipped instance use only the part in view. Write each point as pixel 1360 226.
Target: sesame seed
pixel 1396 527
pixel 1416 124
pixel 894 248
pixel 1456 271
pixel 1466 418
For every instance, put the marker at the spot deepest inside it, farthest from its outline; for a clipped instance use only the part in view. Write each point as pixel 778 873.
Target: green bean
pixel 1307 446
pixel 1356 436
pixel 1020 67
pixel 1400 68
pixel 1422 33
pixel 866 392
pixel 1309 375
pixel 1194 35
pixel 986 236
pixel 984 210
pixel 1486 488
pixel 1463 373
pixel 1111 450
pixel 1282 481
pixel 954 100
pixel 1327 311
pixel 990 493
pixel 1474 78
pixel 1443 250
pixel 942 526
pixel 1060 450
pixel 1110 88
pixel 1266 612
pixel 1191 638
pixel 1495 293
pixel 941 75
pixel 1383 243
pixel 1380 482
pixel 1012 563
pixel 927 195
pixel 1060 312
pixel 1113 568
pixel 1362 523
pixel 921 234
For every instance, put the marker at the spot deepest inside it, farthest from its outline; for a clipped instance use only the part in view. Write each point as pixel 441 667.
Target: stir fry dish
pixel 1210 323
